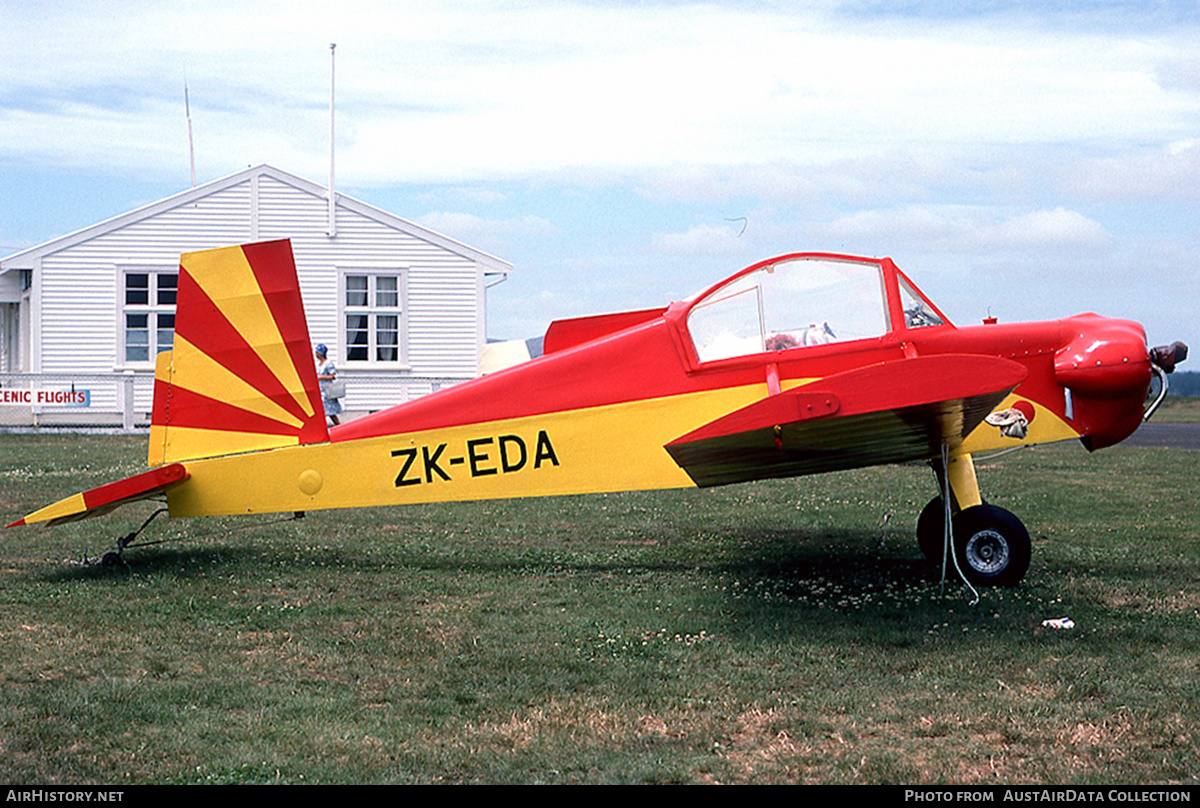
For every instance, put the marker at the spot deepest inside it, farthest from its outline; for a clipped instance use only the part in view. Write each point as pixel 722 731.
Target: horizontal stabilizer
pixel 102 500
pixel 891 412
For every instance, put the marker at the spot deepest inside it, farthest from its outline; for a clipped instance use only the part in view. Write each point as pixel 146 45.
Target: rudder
pixel 241 375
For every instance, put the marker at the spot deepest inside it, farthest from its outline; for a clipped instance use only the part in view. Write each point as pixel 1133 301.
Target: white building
pixel 402 309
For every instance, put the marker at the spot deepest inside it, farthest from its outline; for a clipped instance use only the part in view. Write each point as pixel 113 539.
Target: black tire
pixel 992 546
pixel 931 530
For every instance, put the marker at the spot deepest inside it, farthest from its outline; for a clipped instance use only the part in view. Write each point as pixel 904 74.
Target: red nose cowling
pixel 1106 366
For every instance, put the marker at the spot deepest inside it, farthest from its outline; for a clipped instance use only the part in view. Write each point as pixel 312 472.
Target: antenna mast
pixel 332 195
pixel 187 107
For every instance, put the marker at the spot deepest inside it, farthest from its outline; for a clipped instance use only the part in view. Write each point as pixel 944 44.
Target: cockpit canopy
pixel 802 301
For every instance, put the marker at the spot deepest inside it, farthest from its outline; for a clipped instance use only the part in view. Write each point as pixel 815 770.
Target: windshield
pixel 790 304
pixel 917 313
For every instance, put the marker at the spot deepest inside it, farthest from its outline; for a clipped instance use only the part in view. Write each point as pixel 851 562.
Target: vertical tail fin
pixel 241 376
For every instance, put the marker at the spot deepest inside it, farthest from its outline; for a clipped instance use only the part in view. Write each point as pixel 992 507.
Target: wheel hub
pixel 987 551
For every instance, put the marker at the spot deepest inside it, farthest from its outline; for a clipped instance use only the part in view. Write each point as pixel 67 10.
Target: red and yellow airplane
pixel 800 364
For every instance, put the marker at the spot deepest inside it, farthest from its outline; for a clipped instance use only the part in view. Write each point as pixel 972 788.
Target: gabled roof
pixel 27 258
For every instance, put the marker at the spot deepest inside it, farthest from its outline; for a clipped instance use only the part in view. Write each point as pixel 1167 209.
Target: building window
pixel 148 314
pixel 372 315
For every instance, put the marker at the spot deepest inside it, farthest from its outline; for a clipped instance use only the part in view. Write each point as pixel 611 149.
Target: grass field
pixel 1179 409
pixel 779 632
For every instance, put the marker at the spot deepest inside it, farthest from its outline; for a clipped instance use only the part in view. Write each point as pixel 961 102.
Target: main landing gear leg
pixel 990 543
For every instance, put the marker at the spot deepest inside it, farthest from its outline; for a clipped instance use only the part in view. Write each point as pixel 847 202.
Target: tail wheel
pixel 992 546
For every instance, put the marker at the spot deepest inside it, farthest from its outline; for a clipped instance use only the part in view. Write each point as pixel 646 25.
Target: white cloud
pixel 473 194
pixel 703 239
pixel 487 234
pixel 947 229
pixel 954 138
pixel 1042 228
pixel 1170 173
pixel 430 92
pixel 1179 74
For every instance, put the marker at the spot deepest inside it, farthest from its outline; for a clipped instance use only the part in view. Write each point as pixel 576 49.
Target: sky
pixel 1024 160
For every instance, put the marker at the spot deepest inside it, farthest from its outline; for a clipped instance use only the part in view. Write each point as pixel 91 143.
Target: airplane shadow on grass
pixel 762 586
pixel 788 563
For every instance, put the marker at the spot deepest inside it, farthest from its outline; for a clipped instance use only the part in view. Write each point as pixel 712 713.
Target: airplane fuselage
pixel 801 364
pixel 596 416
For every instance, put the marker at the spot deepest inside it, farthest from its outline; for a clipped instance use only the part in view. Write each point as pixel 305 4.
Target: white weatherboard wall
pixel 77 294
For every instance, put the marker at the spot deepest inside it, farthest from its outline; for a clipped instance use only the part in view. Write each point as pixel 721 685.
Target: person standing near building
pixel 326 373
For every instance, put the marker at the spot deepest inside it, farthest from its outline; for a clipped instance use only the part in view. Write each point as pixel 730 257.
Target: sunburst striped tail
pixel 241 376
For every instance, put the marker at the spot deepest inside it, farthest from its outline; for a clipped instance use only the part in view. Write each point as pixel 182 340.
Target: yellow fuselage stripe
pixel 617 447
pixel 1046 427
pixel 611 448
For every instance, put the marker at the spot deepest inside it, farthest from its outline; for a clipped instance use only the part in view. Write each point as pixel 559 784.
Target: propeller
pixel 1163 360
pixel 1168 356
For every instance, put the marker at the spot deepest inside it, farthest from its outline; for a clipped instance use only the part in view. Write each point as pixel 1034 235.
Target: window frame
pixel 152 309
pixel 373 311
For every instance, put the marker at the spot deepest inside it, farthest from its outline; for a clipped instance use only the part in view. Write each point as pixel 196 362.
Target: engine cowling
pixel 1103 358
pixel 1106 365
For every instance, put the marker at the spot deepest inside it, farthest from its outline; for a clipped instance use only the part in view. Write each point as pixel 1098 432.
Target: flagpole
pixel 332 195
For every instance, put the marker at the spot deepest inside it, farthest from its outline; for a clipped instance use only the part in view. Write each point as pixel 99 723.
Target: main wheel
pixel 992 546
pixel 931 529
